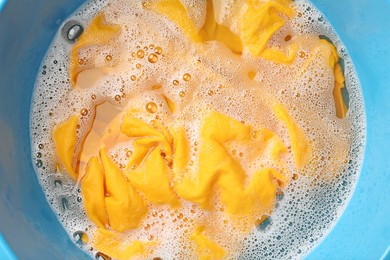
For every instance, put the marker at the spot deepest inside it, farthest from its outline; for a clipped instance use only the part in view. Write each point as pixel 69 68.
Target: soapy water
pixel 306 210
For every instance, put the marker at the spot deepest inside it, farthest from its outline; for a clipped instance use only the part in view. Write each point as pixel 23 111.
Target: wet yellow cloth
pixel 299 143
pixel 125 208
pixel 260 21
pixel 206 248
pixel 93 192
pixel 175 11
pixel 148 168
pixel 109 199
pixel 64 137
pixel 218 169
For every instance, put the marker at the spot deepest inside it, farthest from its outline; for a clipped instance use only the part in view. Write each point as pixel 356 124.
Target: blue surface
pixel 26 220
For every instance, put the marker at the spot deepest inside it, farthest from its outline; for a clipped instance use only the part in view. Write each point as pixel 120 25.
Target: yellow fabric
pixel 259 194
pixel 147 169
pixel 259 22
pixel 175 11
pixel 211 30
pixel 181 154
pixel 93 192
pixel 64 137
pixel 147 138
pixel 153 179
pixel 111 244
pixel 334 56
pixel 278 147
pixel 341 107
pixel 206 248
pixel 213 158
pixel 97 33
pixel 299 143
pixel 111 200
pixel 125 208
pixel 218 168
pixel 334 62
pixel 266 138
pixel 278 56
pixel 323 48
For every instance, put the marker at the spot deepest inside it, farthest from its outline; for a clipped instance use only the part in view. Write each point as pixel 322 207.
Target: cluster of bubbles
pixel 157 65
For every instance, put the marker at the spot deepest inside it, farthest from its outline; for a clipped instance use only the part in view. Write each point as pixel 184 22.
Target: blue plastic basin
pixel 29 228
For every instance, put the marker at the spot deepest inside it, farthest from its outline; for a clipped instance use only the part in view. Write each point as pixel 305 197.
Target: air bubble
pixel 140 54
pixel 57 183
pixel 151 107
pixel 72 30
pixel 152 58
pixel 84 112
pixel 64 204
pixel 39 163
pixel 129 154
pixel 187 77
pixel 158 50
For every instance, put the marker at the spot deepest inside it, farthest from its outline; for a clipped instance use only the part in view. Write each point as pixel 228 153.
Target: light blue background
pixel 31 229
